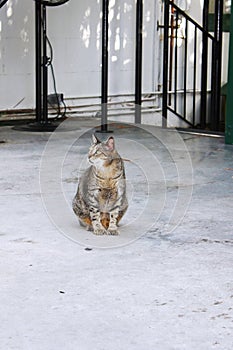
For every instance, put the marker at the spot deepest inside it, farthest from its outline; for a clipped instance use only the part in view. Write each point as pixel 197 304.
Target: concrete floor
pixel 166 283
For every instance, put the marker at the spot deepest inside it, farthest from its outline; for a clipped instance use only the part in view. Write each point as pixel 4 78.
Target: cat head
pixel 101 153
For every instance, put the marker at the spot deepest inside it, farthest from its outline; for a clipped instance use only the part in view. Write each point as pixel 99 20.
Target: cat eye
pixel 95 153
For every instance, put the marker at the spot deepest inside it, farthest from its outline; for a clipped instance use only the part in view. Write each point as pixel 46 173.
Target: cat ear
pixel 95 140
pixel 110 143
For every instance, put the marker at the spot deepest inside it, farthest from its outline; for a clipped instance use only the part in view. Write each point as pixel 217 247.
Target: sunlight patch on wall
pixel 127 61
pixel 24 35
pixel 148 16
pixel 124 40
pixel 86 34
pixel 112 3
pixel 85 28
pixel 191 58
pixel 9 12
pixel 87 12
pixel 181 32
pixel 114 58
pixel 98 34
pixel 111 15
pixel 127 7
pixel 117 45
pixel 111 10
pixel 144 33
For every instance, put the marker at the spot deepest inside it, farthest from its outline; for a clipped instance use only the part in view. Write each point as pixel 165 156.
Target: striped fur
pixel 100 201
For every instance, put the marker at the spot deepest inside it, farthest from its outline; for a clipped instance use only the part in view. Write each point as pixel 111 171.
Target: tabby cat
pixel 100 201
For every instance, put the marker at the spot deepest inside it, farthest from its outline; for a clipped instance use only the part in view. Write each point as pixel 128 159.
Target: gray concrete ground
pixel 166 283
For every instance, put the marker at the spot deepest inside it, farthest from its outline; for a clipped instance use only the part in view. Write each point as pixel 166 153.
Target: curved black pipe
pixel 51 2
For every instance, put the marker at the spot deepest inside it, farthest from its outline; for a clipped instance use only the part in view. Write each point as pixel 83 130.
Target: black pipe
pixel 104 73
pixel 171 46
pixel 185 67
pixel 194 76
pixel 204 66
pixel 138 61
pixel 216 67
pixel 176 62
pixel 165 63
pixel 3 3
pixel 42 122
pixel 45 69
pixel 38 87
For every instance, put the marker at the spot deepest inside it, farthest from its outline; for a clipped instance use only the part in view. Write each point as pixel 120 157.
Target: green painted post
pixel 229 105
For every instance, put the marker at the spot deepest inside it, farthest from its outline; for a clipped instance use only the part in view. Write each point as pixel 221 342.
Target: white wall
pixel 16 54
pixel 74 30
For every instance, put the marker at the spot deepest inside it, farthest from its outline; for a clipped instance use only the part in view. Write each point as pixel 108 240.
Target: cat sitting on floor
pixel 100 201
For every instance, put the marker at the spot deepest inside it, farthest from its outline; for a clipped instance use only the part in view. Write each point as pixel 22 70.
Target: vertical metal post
pixel 185 67
pixel 204 65
pixel 104 75
pixel 45 68
pixel 216 67
pixel 42 122
pixel 194 76
pixel 171 54
pixel 38 40
pixel 165 63
pixel 176 63
pixel 138 63
pixel 229 106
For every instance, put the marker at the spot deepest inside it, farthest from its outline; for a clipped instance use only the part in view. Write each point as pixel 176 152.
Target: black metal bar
pixel 42 122
pixel 185 67
pixel 38 41
pixel 104 73
pixel 194 75
pixel 204 65
pixel 171 54
pixel 165 63
pixel 176 63
pixel 2 3
pixel 45 68
pixel 138 62
pixel 216 67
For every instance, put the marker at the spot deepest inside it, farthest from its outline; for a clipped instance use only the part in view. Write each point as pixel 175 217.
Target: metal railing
pixel 191 71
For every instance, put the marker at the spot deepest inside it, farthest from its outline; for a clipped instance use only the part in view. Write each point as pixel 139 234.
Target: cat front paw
pixel 113 231
pixel 99 231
